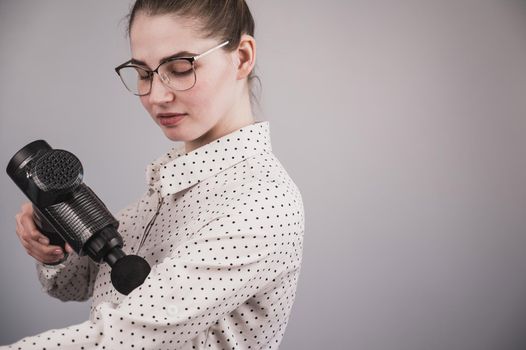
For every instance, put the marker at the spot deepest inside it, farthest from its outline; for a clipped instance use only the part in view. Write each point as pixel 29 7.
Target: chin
pixel 177 134
pixel 185 133
pixel 172 136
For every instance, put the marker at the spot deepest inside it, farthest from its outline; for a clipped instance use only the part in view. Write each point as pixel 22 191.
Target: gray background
pixel 402 122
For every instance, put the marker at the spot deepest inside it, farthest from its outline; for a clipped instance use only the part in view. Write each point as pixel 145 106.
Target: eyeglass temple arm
pixel 211 50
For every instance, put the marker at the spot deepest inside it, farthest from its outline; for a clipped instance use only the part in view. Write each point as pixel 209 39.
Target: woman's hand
pixel 35 243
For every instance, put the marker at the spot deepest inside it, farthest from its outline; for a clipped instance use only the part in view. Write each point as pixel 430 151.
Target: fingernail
pixel 58 251
pixel 43 240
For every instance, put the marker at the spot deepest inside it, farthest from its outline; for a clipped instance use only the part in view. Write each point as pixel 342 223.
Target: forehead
pixel 154 37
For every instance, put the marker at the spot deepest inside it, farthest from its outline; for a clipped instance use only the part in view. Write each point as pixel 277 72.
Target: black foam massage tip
pixel 128 273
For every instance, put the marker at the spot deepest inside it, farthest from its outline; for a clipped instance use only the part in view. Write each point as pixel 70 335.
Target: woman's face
pixel 205 106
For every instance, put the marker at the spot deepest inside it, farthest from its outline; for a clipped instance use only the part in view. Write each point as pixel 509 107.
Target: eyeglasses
pixel 178 73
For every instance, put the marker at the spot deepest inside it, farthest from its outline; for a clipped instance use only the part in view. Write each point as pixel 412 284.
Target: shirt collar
pixel 177 170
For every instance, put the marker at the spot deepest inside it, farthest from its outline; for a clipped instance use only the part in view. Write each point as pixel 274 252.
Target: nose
pixel 159 92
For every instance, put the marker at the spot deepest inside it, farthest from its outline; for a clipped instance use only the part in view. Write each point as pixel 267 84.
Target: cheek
pixel 212 93
pixel 199 98
pixel 198 101
pixel 146 104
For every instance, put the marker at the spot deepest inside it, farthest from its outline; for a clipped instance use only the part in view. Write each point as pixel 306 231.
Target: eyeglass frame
pixel 191 59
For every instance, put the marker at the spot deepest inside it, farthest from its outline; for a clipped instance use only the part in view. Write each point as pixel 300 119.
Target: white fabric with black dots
pixel 225 229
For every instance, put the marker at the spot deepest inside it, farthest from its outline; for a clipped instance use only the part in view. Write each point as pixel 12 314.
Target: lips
pixel 169 119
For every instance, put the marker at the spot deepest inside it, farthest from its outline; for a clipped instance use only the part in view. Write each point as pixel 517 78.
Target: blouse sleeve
pixel 224 263
pixel 72 280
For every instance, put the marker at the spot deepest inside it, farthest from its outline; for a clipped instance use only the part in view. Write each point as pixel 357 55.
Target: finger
pixel 34 254
pixel 45 255
pixel 17 218
pixel 51 250
pixel 30 229
pixel 25 244
pixel 27 207
pixel 23 240
pixel 45 258
pixel 19 228
pixel 34 234
pixel 69 250
pixel 49 259
pixel 43 240
pixel 26 237
pixel 26 217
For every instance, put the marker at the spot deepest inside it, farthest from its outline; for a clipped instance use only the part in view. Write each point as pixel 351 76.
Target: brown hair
pixel 220 19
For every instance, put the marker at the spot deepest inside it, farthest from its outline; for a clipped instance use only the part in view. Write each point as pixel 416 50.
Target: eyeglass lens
pixel 179 74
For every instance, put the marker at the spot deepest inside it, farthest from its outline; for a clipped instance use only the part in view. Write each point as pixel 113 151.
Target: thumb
pixel 69 250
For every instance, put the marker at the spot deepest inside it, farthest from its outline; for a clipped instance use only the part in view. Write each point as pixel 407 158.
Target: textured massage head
pixel 58 171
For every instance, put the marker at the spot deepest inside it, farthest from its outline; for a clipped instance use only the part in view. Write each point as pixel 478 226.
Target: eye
pixel 143 74
pixel 178 68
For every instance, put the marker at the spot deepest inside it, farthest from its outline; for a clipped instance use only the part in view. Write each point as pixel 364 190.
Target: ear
pixel 245 56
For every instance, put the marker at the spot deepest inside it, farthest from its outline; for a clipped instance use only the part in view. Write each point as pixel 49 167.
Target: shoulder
pixel 263 198
pixel 259 179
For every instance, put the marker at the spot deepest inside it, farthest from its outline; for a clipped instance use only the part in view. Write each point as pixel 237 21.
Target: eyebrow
pixel 164 59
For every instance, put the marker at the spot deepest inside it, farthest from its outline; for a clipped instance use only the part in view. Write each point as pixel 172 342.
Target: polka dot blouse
pixel 222 227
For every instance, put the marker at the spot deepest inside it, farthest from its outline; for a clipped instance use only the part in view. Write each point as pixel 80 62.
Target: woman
pixel 221 222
